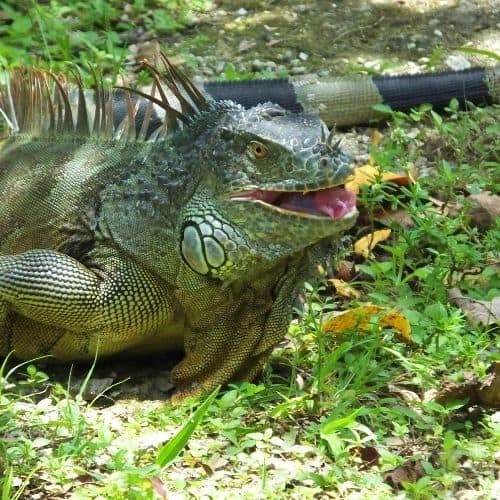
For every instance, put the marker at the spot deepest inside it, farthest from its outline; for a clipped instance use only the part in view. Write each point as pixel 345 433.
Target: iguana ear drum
pixel 202 252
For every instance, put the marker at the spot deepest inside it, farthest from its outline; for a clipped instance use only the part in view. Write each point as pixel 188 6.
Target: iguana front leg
pixel 233 336
pixel 219 345
pixel 72 311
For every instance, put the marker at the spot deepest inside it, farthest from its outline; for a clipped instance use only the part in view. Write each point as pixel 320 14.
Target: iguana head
pixel 272 186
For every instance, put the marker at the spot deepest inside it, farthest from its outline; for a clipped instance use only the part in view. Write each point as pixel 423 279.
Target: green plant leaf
pixel 335 424
pixel 7 484
pixel 169 452
pixel 480 52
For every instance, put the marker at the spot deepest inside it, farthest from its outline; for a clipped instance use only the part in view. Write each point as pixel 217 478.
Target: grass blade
pixel 169 452
pixel 7 484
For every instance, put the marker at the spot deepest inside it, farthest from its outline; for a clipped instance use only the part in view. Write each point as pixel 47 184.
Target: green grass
pixel 324 403
pixel 98 32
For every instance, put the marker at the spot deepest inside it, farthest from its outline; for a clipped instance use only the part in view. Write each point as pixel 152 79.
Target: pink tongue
pixel 335 202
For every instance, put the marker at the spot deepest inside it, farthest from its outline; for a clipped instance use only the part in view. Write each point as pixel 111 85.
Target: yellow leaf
pixel 369 174
pixel 364 175
pixel 343 289
pixel 321 270
pixel 365 245
pixel 376 137
pixel 361 317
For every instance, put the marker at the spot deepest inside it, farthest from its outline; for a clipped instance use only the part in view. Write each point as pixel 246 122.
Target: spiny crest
pixel 40 102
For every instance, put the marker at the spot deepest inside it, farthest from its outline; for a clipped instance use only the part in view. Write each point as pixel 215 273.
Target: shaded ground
pixel 338 36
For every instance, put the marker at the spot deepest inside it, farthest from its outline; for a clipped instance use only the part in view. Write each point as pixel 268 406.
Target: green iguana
pixel 195 231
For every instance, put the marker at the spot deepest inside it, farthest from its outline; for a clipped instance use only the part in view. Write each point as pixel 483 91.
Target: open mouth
pixel 334 202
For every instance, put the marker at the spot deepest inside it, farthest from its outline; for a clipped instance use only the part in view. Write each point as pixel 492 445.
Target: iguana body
pixel 197 237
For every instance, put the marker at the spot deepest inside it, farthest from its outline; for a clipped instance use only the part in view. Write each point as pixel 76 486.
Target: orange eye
pixel 258 150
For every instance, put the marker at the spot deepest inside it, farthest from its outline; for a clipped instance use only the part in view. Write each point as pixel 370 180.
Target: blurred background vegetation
pixel 47 33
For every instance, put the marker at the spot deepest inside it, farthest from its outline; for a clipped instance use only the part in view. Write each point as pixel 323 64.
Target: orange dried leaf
pixel 398 322
pixel 343 289
pixel 365 245
pixel 354 318
pixel 399 179
pixel 361 317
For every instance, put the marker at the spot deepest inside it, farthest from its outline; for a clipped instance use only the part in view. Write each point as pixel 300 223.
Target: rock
pixel 246 45
pixel 242 12
pixel 219 67
pixel 303 56
pixel 95 387
pixel 457 62
pixel 287 56
pixel 298 70
pixel 258 65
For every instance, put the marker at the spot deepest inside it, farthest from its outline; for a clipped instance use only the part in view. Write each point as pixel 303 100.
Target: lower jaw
pixel 292 229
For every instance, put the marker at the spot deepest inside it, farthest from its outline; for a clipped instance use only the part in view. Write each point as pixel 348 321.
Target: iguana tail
pixel 349 100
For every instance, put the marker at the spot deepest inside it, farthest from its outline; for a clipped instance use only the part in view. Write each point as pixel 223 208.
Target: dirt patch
pixel 338 37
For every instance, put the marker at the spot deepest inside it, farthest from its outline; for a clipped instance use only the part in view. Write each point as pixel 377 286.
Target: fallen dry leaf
pixel 478 312
pixel 406 395
pixel 400 216
pixel 376 137
pixel 361 317
pixel 485 209
pixel 345 270
pixel 368 454
pixel 368 174
pixel 409 473
pixel 490 202
pixel 158 487
pixel 344 290
pixel 365 245
pixel 485 392
pixel 488 392
pixel 453 391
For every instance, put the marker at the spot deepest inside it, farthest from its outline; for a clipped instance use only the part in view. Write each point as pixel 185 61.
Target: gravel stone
pixel 298 70
pixel 457 62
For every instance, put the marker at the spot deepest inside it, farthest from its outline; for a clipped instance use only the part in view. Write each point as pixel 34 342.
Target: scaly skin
pixel 183 240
